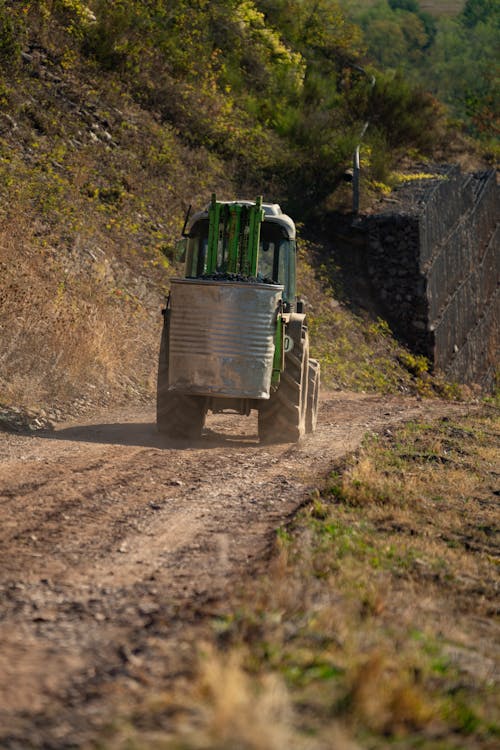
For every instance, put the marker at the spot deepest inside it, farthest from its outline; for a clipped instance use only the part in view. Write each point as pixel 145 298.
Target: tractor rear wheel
pixel 178 416
pixel 314 379
pixel 282 419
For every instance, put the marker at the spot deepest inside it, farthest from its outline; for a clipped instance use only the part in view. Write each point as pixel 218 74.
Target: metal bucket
pixel 222 337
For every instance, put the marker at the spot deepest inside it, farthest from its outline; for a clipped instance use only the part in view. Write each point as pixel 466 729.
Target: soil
pixel 113 542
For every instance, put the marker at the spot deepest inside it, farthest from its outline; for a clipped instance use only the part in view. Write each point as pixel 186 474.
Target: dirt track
pixel 112 540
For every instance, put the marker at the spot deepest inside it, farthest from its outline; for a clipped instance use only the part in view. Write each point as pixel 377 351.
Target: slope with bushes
pixel 115 117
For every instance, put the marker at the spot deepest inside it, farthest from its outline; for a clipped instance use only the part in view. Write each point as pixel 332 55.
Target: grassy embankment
pixel 106 136
pixel 373 626
pixel 95 191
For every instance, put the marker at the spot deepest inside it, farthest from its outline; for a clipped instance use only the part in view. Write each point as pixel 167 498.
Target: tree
pixel 480 11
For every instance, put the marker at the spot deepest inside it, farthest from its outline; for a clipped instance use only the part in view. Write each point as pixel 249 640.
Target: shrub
pixel 407 115
pixel 10 46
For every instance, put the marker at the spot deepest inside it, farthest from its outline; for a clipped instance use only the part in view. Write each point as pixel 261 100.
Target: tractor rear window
pixel 196 256
pixel 276 259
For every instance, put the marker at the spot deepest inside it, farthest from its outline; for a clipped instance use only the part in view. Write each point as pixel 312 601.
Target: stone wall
pixel 432 268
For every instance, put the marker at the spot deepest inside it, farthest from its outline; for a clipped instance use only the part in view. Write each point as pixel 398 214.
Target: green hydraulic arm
pixel 279 353
pixel 233 237
pixel 255 219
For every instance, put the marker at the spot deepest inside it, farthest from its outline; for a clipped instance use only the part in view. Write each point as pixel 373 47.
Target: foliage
pixel 480 11
pixel 407 115
pixel 463 70
pixel 455 58
pixel 397 31
pixel 274 88
pixel 10 35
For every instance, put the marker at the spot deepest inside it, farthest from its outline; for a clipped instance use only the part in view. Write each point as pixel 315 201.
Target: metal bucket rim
pixel 215 282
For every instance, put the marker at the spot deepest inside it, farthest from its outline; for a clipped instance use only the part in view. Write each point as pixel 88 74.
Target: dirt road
pixel 112 540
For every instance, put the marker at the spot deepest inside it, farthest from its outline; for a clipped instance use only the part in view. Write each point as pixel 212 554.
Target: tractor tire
pixel 178 416
pixel 314 379
pixel 282 419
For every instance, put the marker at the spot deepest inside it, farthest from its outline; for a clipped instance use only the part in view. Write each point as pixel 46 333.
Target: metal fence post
pixel 356 161
pixel 355 181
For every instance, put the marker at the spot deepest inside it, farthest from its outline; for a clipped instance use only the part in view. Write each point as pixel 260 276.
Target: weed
pixel 416 364
pixel 319 509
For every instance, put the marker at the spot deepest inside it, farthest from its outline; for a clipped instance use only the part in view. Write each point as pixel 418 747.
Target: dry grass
pixel 435 7
pixel 374 624
pixel 65 332
pixel 442 7
pixel 241 711
pixel 94 191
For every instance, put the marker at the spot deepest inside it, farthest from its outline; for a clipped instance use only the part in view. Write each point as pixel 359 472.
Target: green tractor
pixel 235 335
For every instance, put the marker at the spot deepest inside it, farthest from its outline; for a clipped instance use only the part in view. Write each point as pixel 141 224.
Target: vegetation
pixel 273 87
pixel 453 57
pixel 114 117
pixel 373 623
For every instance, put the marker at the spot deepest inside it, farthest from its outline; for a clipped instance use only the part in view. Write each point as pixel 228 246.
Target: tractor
pixel 235 335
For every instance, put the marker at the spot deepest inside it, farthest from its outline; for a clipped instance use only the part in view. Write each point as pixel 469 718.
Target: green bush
pixel 480 11
pixel 405 114
pixel 10 35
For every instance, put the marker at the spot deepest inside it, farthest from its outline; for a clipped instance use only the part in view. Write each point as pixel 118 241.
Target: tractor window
pixel 291 253
pixel 286 268
pixel 277 262
pixel 277 258
pixel 266 260
pixel 196 256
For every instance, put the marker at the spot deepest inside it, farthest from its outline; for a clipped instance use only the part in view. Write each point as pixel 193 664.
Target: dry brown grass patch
pixel 64 331
pixel 239 711
pixel 386 698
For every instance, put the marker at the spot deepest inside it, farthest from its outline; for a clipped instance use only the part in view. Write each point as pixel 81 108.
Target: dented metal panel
pixel 222 337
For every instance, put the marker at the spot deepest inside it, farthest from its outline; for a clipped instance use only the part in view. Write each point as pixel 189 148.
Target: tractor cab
pixel 247 239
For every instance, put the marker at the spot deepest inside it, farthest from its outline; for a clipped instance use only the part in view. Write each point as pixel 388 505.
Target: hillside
pixel 223 592
pixel 87 225
pixel 113 119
